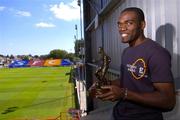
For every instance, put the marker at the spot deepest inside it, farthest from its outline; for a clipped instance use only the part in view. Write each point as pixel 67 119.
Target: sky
pixel 38 26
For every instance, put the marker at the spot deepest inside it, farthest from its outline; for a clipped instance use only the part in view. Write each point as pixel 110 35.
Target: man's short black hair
pixel 138 11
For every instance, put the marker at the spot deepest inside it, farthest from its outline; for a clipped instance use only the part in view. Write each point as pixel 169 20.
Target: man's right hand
pixel 92 90
pixel 112 93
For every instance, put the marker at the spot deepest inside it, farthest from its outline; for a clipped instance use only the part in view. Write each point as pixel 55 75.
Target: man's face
pixel 129 27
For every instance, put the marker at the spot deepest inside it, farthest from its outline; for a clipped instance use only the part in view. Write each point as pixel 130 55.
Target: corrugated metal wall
pixel 163 26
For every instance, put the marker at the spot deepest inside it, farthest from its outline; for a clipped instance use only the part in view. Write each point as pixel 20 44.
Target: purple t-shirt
pixel 142 66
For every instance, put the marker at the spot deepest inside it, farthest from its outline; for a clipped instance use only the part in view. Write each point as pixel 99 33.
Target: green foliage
pixel 11 57
pixel 25 57
pixel 78 45
pixel 58 54
pixel 70 56
pixel 44 57
pixel 36 56
pixel 61 54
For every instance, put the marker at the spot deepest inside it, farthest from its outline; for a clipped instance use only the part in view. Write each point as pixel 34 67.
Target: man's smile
pixel 124 35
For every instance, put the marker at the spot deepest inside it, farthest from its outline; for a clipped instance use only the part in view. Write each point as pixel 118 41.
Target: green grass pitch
pixel 35 93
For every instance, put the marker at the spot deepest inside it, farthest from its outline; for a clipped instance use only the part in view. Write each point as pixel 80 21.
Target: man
pixel 146 87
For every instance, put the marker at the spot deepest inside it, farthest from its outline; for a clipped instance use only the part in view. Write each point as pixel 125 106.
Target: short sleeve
pixel 160 67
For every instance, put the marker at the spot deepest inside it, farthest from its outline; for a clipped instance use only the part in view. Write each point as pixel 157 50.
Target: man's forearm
pixel 154 99
pixel 115 82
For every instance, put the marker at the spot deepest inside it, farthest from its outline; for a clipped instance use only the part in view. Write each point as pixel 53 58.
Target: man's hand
pixel 111 93
pixel 92 90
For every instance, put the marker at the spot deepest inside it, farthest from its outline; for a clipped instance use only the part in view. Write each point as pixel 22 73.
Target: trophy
pixel 100 74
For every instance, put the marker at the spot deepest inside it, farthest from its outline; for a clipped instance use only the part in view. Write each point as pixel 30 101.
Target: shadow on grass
pixel 9 110
pixel 13 109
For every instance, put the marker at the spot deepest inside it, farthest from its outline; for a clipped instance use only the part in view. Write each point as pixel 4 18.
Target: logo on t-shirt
pixel 138 69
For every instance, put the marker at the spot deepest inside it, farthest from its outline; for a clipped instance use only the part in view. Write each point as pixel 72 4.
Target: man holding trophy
pixel 145 88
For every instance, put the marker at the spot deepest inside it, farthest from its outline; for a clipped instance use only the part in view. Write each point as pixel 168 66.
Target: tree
pixel 79 45
pixel 58 54
pixel 36 56
pixel 11 57
pixel 44 57
pixel 1 55
pixel 70 56
pixel 25 57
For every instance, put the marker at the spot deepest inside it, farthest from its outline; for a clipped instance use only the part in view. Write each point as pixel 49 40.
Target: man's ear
pixel 143 25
